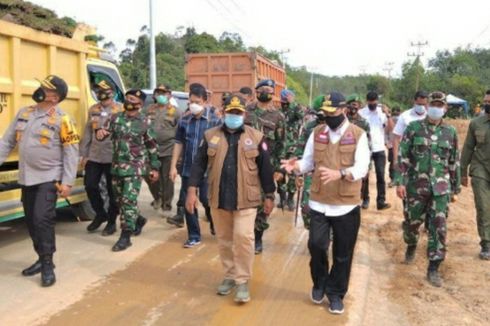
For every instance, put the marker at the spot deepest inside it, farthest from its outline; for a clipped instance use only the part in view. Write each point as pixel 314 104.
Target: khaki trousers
pixel 235 233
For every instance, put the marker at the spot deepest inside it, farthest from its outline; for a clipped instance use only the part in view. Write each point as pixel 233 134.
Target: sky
pixel 339 38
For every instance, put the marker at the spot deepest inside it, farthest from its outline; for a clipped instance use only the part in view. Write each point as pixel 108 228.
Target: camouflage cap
pixel 437 97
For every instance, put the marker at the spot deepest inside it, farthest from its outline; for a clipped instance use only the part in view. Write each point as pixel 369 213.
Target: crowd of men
pixel 234 158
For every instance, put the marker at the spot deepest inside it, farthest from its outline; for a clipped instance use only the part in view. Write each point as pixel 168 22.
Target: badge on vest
pixel 322 138
pixel 215 140
pixel 348 139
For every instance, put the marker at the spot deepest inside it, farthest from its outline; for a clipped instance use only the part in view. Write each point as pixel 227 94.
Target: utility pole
pixel 419 45
pixel 363 69
pixel 388 68
pixel 311 87
pixel 283 59
pixel 153 64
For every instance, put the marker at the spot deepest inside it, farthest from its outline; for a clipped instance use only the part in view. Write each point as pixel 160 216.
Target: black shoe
pixel 178 219
pixel 410 254
pixel 211 228
pixel 383 206
pixel 47 271
pixel 433 275
pixel 365 204
pixel 336 305
pixel 109 229
pixel 140 223
pixel 317 295
pixel 124 241
pixel 485 253
pixel 96 223
pixel 290 202
pixel 33 269
pixel 258 242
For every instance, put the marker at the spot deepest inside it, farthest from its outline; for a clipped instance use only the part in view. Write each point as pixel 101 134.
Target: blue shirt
pixel 190 133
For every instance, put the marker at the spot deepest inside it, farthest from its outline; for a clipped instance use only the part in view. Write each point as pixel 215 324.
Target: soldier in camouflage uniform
pixel 294 116
pixel 270 121
pixel 305 181
pixel 352 112
pixel 134 146
pixel 428 174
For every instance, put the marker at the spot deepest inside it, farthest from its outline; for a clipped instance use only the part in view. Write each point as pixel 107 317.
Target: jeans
pixel 192 220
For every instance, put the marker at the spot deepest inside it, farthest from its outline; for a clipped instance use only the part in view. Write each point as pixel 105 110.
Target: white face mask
pixel 419 109
pixel 435 113
pixel 195 108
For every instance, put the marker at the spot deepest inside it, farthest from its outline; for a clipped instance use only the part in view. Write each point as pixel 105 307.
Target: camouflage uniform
pixel 271 123
pixel 429 169
pixel 134 145
pixel 294 116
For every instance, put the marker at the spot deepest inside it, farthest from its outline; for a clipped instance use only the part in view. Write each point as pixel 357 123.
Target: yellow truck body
pixel 27 55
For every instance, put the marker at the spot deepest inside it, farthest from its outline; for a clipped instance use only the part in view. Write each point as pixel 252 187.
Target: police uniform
pixel 99 158
pixel 47 141
pixel 476 157
pixel 238 166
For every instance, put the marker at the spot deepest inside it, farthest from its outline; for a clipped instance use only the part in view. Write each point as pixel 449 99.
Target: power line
pixel 227 17
pixel 388 68
pixel 419 45
pixel 236 5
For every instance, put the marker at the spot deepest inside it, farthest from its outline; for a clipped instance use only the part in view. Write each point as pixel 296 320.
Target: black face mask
pixel 486 107
pixel 39 95
pixel 352 111
pixel 284 106
pixel 264 97
pixel 372 106
pixel 129 106
pixel 334 122
pixel 102 96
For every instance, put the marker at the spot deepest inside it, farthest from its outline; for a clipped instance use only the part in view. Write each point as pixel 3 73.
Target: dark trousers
pixel 345 228
pixel 391 169
pixel 93 174
pixel 365 188
pixel 164 188
pixel 192 220
pixel 39 204
pixel 379 159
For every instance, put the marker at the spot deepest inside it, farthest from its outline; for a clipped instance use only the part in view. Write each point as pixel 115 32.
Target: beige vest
pixel 335 156
pixel 248 182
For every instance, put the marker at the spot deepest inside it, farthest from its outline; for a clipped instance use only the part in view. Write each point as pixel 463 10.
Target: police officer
pixel 338 154
pixel 48 157
pixel 428 174
pixel 264 117
pixel 96 157
pixel 164 117
pixel 476 155
pixel 134 148
pixel 238 166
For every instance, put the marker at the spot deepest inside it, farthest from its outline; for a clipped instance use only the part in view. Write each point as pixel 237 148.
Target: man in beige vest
pixel 238 164
pixel 339 156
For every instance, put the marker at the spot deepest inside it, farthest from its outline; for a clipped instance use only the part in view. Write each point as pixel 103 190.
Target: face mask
pixel 39 95
pixel 102 96
pixel 352 111
pixel 372 106
pixel 129 106
pixel 264 97
pixel 320 117
pixel 195 108
pixel 233 121
pixel 284 106
pixel 419 109
pixel 486 107
pixel 162 99
pixel 334 122
pixel 435 113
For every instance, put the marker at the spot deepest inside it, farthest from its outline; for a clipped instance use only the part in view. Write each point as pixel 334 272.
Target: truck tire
pixel 83 211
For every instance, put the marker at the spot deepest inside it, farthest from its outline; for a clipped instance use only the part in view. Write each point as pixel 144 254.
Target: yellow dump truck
pixel 27 55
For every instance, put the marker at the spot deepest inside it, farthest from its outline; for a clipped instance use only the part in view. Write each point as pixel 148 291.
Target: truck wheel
pixel 83 211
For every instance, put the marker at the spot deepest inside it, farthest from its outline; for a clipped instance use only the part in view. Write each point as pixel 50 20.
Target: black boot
pixel 178 219
pixel 290 202
pixel 47 271
pixel 124 241
pixel 109 229
pixel 140 223
pixel 33 269
pixel 282 199
pixel 433 275
pixel 410 254
pixel 96 223
pixel 258 242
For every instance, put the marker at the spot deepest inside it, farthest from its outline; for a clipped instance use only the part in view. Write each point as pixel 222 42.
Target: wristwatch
pixel 270 196
pixel 342 174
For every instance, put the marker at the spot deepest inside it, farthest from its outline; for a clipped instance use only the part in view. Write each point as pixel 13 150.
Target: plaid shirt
pixel 190 133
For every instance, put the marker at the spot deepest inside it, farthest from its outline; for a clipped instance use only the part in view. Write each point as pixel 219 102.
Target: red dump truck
pixel 228 72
